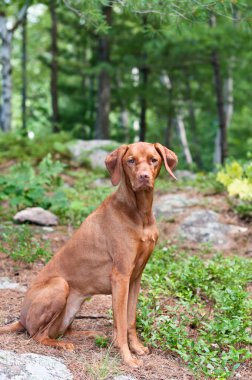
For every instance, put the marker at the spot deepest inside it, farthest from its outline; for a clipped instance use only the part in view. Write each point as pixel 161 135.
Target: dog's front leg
pixel 135 344
pixel 120 293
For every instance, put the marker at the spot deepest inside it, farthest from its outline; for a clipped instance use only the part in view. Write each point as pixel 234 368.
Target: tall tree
pixel 6 35
pixel 54 67
pixel 103 106
pixel 24 71
pixel 221 137
pixel 143 71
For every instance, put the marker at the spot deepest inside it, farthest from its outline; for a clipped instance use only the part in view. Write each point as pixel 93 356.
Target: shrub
pixel 237 179
pixel 23 186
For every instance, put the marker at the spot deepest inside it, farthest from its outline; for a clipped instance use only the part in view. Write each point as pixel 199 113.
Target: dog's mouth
pixel 143 186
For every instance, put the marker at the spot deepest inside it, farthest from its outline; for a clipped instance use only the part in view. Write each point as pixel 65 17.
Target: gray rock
pixel 6 283
pixel 36 215
pixel 97 159
pixel 94 151
pixel 173 204
pixel 203 226
pixel 185 174
pixel 14 366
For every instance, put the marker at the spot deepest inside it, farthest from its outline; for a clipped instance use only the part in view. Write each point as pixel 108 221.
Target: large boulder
pixel 170 205
pixel 92 152
pixel 204 226
pixel 14 366
pixel 36 215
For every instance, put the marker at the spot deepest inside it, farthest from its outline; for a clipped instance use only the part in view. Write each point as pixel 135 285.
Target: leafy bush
pixel 23 186
pixel 237 179
pixel 14 145
pixel 199 309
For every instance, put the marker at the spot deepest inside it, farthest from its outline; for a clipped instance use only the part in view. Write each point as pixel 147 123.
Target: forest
pixel 174 72
pixel 78 79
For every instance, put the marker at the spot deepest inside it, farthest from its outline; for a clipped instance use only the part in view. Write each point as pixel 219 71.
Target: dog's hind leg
pixel 12 327
pixel 43 311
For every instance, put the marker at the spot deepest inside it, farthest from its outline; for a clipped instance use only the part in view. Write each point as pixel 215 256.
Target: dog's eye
pixel 131 161
pixel 154 160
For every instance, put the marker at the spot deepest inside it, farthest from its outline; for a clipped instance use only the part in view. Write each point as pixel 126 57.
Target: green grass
pixel 20 244
pixel 105 367
pixel 198 308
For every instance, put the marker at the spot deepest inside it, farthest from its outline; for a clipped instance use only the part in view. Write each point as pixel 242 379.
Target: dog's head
pixel 140 163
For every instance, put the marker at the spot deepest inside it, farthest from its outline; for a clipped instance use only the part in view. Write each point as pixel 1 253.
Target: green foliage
pixel 207 321
pixel 23 186
pixel 162 35
pixel 21 245
pixel 237 179
pixel 82 199
pixel 14 145
pixel 101 342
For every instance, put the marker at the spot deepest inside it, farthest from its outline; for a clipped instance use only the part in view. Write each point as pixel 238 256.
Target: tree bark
pixel 192 119
pixel 5 59
pixel 54 68
pixel 24 76
pixel 5 54
pixel 103 108
pixel 183 138
pixel 221 151
pixel 143 103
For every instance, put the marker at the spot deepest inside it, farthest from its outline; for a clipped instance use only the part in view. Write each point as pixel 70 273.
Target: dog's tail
pixel 12 327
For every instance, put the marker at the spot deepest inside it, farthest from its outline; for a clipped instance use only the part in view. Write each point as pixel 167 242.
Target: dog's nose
pixel 144 176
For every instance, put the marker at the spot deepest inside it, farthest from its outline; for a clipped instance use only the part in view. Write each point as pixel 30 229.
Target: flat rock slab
pixel 124 377
pixel 6 283
pixel 203 226
pixel 14 366
pixel 36 215
pixel 172 204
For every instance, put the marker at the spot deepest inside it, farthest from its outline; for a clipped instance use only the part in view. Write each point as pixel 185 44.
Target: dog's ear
pixel 114 164
pixel 169 158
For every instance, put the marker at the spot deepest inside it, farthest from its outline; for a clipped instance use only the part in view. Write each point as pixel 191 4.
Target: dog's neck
pixel 141 200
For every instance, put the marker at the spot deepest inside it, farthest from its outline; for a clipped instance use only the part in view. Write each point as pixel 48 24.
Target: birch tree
pixel 103 107
pixel 6 35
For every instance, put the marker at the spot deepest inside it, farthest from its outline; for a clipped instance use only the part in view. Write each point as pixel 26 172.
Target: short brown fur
pixel 107 254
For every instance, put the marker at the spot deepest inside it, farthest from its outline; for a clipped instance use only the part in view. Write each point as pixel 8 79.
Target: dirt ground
pixel 88 360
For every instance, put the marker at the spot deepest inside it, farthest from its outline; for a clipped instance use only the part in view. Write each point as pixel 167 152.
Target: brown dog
pixel 107 254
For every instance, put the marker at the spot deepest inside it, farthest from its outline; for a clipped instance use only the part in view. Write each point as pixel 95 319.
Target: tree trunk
pixel 168 131
pixel 221 151
pixel 124 122
pixel 183 138
pixel 5 59
pixel 228 109
pixel 192 119
pixel 103 108
pixel 5 55
pixel 24 77
pixel 54 68
pixel 143 103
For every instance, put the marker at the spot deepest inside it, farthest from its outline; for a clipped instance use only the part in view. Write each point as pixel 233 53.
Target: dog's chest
pixel 147 241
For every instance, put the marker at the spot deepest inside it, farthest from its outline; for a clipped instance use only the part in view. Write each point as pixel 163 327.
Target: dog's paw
pixel 133 362
pixel 139 349
pixel 67 346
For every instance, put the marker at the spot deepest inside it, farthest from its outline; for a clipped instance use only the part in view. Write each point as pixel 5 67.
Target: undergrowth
pixel 20 244
pixel 199 309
